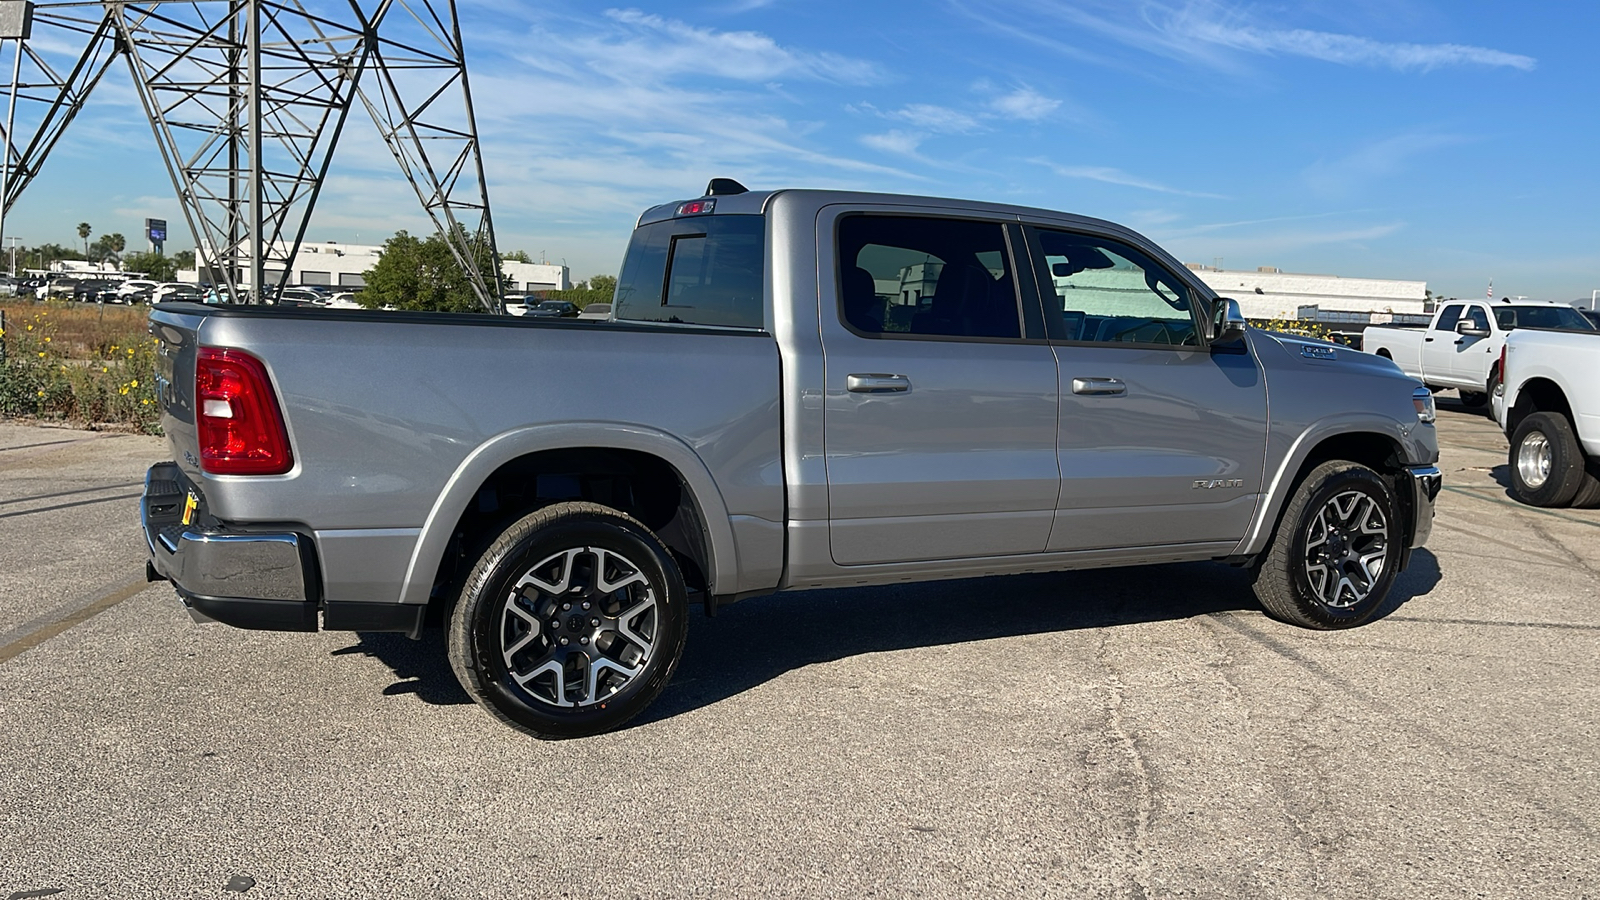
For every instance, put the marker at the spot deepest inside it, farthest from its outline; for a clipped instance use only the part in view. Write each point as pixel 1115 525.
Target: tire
pixel 1335 552
pixel 1546 463
pixel 1588 495
pixel 570 623
pixel 1473 399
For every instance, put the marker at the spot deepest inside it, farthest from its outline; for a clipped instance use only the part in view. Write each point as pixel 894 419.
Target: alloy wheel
pixel 1347 544
pixel 578 627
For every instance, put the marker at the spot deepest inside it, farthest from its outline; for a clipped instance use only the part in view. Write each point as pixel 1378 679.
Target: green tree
pixel 183 259
pixel 605 284
pixel 517 256
pixel 84 230
pixel 107 245
pixel 154 265
pixel 415 274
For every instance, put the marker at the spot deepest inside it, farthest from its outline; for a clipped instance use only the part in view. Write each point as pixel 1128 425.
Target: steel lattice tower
pixel 247 100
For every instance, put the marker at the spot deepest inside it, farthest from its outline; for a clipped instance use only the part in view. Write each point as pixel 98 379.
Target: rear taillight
pixel 239 425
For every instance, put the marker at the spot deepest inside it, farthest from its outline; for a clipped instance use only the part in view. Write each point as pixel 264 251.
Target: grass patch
pixel 78 363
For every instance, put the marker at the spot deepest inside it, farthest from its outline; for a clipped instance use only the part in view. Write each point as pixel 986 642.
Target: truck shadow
pixel 421 666
pixel 753 642
pixel 757 640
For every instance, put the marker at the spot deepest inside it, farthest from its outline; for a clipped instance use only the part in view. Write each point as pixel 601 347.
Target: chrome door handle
pixel 877 384
pixel 1098 386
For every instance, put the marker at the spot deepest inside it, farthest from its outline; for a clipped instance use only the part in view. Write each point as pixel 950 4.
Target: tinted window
pixel 702 270
pixel 1563 318
pixel 1109 292
pixel 1447 319
pixel 925 276
pixel 1477 317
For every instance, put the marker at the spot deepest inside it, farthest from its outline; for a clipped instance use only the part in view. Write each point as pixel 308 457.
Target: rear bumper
pixel 1424 483
pixel 266 579
pixel 248 580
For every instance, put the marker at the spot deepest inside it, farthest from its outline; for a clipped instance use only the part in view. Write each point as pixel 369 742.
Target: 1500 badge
pixel 1211 484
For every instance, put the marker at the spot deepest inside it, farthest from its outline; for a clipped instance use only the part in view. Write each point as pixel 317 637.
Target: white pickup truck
pixel 1549 406
pixel 1461 347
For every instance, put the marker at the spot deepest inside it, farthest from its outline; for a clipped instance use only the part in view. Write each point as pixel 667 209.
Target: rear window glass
pixel 701 270
pixel 1563 318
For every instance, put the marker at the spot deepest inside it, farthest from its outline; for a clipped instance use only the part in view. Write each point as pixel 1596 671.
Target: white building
pixel 1267 293
pixel 341 265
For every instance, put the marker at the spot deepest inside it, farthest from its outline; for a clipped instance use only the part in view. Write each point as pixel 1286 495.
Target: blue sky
pixel 1442 141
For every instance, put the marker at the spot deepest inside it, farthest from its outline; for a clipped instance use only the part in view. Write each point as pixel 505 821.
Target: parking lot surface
pixel 1121 733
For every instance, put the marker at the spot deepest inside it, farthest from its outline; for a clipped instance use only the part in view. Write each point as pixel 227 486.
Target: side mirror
pixel 1467 329
pixel 1227 322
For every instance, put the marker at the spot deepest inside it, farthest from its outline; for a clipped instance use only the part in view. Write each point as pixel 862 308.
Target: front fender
pixel 489 456
pixel 1283 478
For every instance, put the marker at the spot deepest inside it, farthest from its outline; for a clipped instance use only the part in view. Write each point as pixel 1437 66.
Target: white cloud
pixel 1374 161
pixel 687 49
pixel 1211 33
pixel 935 118
pixel 1352 50
pixel 904 143
pixel 1117 176
pixel 1024 103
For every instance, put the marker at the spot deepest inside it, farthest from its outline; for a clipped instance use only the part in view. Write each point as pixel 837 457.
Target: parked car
pixel 1461 347
pixel 784 427
pixel 1549 407
pixel 1592 315
pixel 91 291
pixel 161 293
pixel 553 309
pixel 134 286
pixel 596 311
pixel 298 297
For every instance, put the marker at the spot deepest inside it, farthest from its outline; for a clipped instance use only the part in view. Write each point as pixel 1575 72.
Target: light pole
pixel 13 241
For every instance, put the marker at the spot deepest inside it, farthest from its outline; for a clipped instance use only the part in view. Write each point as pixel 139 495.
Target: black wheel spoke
pixel 577 626
pixel 1346 548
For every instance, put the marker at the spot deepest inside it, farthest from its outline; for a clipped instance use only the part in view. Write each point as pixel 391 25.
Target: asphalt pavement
pixel 1136 733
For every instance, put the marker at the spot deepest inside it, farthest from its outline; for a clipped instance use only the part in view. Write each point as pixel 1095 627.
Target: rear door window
pixel 926 277
pixel 699 270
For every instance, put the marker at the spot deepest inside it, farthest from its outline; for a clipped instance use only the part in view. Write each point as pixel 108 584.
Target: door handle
pixel 1427 340
pixel 1100 386
pixel 875 383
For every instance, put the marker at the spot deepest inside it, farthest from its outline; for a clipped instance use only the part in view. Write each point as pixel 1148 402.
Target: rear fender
pixel 463 485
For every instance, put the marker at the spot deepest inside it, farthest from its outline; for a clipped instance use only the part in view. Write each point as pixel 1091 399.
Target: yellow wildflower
pixel 133 383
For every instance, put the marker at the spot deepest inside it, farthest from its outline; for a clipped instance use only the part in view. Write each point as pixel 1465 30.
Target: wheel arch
pixel 1537 395
pixel 1379 445
pixel 642 456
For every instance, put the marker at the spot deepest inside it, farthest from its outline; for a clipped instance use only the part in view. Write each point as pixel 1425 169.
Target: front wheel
pixel 1335 553
pixel 571 623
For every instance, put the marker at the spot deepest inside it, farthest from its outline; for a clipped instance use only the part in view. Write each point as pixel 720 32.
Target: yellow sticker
pixel 190 504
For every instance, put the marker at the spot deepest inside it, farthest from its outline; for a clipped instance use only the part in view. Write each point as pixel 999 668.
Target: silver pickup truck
pixel 796 389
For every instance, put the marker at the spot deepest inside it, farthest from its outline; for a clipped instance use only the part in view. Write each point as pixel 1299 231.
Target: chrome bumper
pixel 248 580
pixel 1425 484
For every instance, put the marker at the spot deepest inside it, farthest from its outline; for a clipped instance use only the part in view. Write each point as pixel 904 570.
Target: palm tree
pixel 83 232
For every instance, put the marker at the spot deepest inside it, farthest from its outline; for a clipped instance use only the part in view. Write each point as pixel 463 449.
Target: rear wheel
pixel 1546 463
pixel 571 623
pixel 1473 399
pixel 1334 554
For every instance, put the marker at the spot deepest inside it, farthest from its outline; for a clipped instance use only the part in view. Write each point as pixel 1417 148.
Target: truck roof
pixel 758 203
